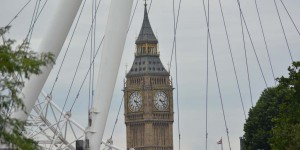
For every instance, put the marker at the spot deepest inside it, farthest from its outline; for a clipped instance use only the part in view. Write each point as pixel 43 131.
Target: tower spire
pixel 148 96
pixel 146 34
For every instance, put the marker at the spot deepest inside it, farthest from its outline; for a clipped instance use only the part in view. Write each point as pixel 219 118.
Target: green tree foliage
pixel 286 133
pixel 259 124
pixel 274 123
pixel 17 63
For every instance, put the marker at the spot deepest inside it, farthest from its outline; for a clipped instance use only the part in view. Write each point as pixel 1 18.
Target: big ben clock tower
pixel 148 95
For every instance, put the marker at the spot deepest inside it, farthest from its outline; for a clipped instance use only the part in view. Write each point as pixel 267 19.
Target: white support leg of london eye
pixel 116 32
pixel 52 42
pixel 115 36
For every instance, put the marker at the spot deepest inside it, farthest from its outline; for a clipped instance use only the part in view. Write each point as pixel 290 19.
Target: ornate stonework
pixel 148 95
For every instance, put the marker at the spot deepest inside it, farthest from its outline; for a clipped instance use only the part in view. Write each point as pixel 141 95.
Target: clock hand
pixel 163 102
pixel 136 101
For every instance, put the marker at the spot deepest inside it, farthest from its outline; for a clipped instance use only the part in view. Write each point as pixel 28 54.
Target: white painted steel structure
pixel 55 130
pixel 115 37
pixel 52 133
pixel 52 42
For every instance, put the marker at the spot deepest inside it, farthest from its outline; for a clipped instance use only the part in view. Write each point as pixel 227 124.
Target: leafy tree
pixel 274 122
pixel 16 64
pixel 286 133
pixel 259 124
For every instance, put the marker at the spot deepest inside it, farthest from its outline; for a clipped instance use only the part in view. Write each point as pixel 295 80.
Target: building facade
pixel 148 96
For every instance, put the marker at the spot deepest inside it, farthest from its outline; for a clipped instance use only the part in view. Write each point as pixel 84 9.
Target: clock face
pixel 161 101
pixel 135 101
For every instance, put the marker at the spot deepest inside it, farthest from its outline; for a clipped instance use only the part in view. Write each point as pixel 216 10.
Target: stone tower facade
pixel 148 95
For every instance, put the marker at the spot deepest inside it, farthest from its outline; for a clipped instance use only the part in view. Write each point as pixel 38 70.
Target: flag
pixel 220 142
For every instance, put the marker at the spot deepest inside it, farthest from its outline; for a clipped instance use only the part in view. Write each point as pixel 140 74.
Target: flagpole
pixel 221 144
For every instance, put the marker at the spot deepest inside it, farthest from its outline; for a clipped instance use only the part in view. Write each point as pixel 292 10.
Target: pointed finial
pixel 146 34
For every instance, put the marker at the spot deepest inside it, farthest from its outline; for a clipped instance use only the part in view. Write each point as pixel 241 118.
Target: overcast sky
pixel 191 51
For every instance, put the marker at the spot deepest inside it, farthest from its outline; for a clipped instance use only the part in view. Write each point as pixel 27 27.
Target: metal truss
pixel 51 127
pixel 54 128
